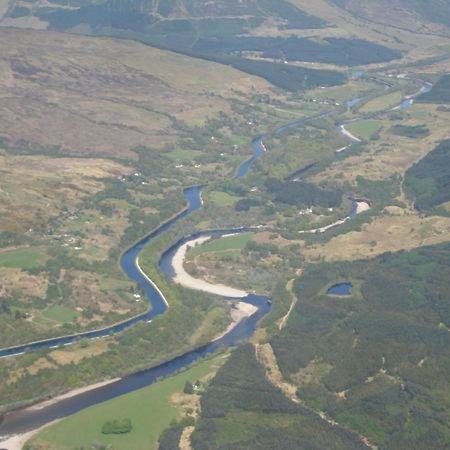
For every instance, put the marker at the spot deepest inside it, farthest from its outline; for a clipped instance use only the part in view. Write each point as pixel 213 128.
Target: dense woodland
pixel 302 194
pixel 375 361
pixel 413 132
pixel 440 93
pixel 384 348
pixel 242 410
pixel 427 182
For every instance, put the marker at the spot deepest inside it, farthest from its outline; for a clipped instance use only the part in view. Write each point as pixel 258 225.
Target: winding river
pixel 26 419
pixel 31 418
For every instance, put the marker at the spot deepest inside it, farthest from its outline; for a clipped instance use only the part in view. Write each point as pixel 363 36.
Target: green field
pixel 222 198
pixel 237 242
pixel 364 129
pixel 381 103
pixel 60 313
pixel 22 258
pixel 150 411
pixel 184 155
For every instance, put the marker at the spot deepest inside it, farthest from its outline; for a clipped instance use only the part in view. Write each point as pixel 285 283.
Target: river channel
pixel 26 419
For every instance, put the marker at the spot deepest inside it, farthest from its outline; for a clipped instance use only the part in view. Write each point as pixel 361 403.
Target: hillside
pixel 89 127
pixel 375 363
pixel 422 16
pixel 233 33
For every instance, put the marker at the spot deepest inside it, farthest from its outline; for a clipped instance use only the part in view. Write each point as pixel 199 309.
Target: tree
pixel 188 388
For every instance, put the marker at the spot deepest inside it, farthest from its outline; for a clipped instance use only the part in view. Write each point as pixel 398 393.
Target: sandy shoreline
pixel 151 281
pixel 238 312
pixel 70 394
pixel 361 207
pixel 17 441
pixel 186 280
pixel 347 133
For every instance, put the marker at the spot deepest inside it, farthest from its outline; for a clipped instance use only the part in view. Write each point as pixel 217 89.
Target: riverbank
pixel 239 312
pixel 361 207
pixel 17 441
pixel 347 133
pixel 184 279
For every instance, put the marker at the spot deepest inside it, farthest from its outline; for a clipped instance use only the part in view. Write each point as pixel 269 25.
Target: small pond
pixel 340 289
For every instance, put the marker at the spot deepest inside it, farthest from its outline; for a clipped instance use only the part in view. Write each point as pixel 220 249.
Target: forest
pixel 242 410
pixel 427 182
pixel 440 93
pixel 302 194
pixel 378 359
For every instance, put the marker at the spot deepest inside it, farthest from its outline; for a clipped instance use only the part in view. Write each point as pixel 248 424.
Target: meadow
pixel 382 103
pixel 22 258
pixel 364 129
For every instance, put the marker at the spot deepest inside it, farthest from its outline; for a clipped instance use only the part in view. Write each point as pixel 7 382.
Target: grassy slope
pixel 150 411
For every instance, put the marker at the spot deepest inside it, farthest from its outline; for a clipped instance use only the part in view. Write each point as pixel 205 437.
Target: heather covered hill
pixel 422 16
pixel 236 33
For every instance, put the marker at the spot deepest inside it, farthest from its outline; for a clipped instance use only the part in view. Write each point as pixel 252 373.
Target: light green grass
pixel 108 283
pixel 364 129
pixel 381 103
pixel 237 242
pixel 184 155
pixel 149 410
pixel 60 313
pixel 223 199
pixel 22 258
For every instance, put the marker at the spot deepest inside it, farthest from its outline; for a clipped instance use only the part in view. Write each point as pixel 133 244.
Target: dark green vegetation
pixel 302 194
pixel 384 349
pixel 440 93
pixel 218 32
pixel 170 438
pixel 117 426
pixel 241 410
pixel 413 132
pixel 343 52
pixel 427 182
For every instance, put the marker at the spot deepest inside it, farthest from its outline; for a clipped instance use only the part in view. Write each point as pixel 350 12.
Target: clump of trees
pixel 117 426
